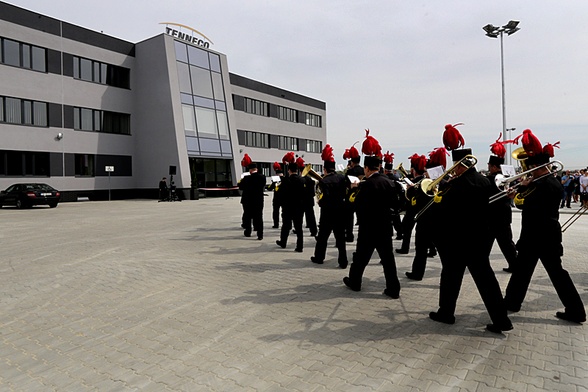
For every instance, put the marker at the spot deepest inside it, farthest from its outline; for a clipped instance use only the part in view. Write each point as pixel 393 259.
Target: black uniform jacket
pixel 333 190
pixel 375 201
pixel 292 191
pixel 540 213
pixel 463 212
pixel 500 210
pixel 253 187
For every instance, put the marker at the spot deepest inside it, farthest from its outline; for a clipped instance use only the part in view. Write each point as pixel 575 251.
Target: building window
pixel 23 55
pixel 288 143
pixel 313 120
pixel 254 106
pixel 256 139
pixel 102 121
pixel 85 165
pixel 98 72
pixel 314 146
pixel 23 111
pixel 24 163
pixel 287 114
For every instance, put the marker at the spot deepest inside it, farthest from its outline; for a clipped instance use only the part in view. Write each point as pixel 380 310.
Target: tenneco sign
pixel 205 43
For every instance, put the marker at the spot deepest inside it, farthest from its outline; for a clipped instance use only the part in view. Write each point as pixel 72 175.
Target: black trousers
pixel 292 216
pixel 560 278
pixel 407 226
pixel 397 224
pixel 502 233
pixel 330 221
pixel 423 242
pixel 253 213
pixel 276 213
pixel 349 220
pixel 454 262
pixel 310 218
pixel 380 241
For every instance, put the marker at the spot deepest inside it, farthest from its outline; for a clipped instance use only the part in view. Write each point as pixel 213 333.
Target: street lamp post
pixel 509 130
pixel 495 32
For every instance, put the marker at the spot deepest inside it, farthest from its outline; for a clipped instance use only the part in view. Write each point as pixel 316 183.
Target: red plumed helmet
pixel 418 162
pixel 289 158
pixel 277 167
pixel 352 152
pixel 300 162
pixel 497 148
pixel 531 144
pixel 388 158
pixel 452 139
pixel 371 146
pixel 438 157
pixel 327 154
pixel 246 161
pixel 548 149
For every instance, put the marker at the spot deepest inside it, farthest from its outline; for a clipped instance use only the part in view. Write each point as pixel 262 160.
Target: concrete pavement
pixel 140 295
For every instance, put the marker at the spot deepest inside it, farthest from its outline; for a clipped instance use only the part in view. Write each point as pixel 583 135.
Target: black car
pixel 28 195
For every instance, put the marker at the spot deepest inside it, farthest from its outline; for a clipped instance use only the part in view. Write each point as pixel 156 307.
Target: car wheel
pixel 52 205
pixel 19 204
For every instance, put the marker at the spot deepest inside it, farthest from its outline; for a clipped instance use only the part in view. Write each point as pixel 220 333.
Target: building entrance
pixel 211 173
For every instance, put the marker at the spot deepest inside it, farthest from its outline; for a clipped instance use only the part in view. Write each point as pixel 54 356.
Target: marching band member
pixel 353 169
pixel 389 172
pixel 541 237
pixel 413 194
pixel 252 187
pixel 463 241
pixel 332 204
pixel 423 237
pixel 500 210
pixel 308 203
pixel 375 200
pixel 292 207
pixel 276 202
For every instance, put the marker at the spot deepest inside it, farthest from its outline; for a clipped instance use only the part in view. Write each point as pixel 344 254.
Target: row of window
pixel 254 106
pixel 262 140
pixel 24 163
pixel 23 111
pixel 262 108
pixel 102 121
pixel 23 55
pixel 98 72
pixel 287 114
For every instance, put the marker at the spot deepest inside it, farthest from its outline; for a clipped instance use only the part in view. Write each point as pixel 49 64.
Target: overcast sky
pixel 402 68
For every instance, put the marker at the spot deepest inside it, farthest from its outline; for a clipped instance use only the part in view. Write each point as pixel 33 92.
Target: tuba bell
pixel 307 171
pixel 521 155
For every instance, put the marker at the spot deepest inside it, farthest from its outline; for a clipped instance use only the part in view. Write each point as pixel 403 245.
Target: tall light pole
pixel 495 32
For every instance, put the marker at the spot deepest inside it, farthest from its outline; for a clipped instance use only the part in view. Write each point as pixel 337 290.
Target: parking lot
pixel 140 295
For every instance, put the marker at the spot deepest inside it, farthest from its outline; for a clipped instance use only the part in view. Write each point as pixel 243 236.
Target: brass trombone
pixel 566 225
pixel 430 187
pixel 503 183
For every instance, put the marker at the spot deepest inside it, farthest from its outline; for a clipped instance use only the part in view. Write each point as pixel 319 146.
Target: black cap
pixel 537 159
pixel 329 164
pixel 372 161
pixel 495 160
pixel 293 167
pixel 388 166
pixel 457 155
pixel 252 166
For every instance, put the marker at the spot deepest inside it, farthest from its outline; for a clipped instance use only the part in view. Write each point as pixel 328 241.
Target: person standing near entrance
pixel 252 187
pixel 163 191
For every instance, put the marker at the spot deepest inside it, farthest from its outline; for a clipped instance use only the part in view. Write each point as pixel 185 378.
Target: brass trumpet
pixel 402 171
pixel 503 183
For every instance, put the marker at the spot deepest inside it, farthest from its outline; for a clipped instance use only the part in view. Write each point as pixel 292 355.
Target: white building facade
pixel 74 102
